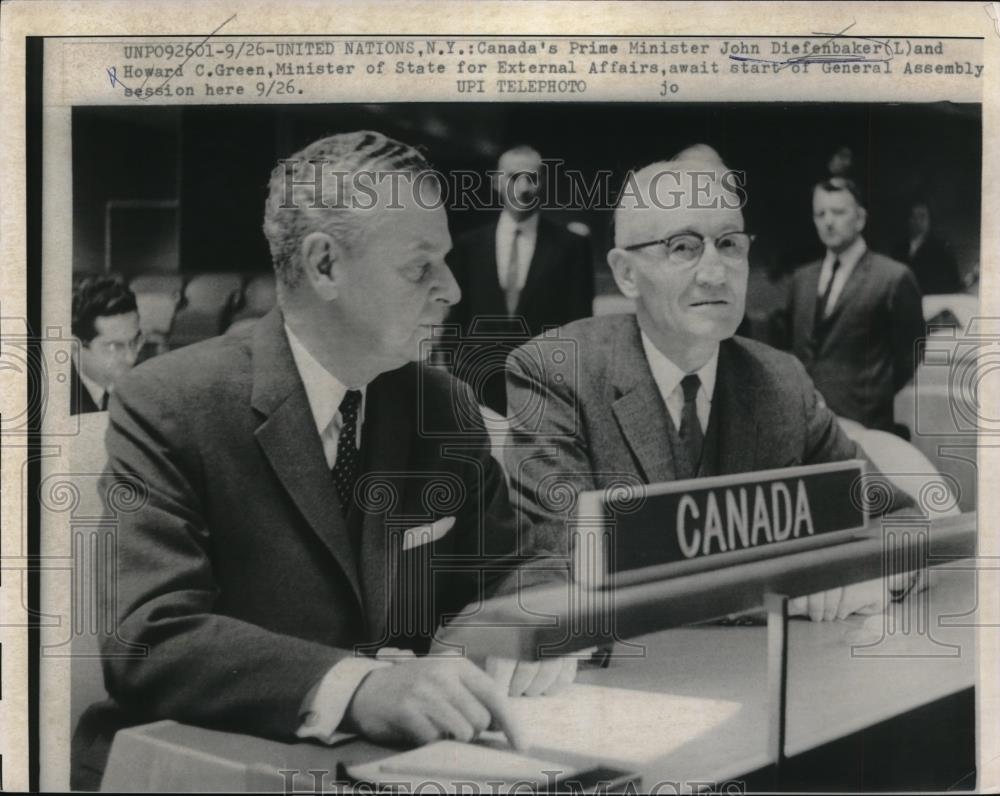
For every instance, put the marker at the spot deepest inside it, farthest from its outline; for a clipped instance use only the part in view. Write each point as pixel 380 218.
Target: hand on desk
pixel 532 678
pixel 867 597
pixel 428 699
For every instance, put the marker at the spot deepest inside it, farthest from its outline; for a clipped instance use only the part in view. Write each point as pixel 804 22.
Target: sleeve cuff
pixel 324 707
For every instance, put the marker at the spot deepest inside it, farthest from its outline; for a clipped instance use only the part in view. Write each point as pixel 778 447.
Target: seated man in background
pixel 668 393
pixel 106 325
pixel 854 317
pixel 262 573
pixel 523 271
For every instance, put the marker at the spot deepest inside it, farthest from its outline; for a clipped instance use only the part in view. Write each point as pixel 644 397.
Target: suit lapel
pixel 289 440
pixel 540 257
pixel 853 288
pixel 639 408
pixel 386 440
pixel 810 300
pixel 492 301
pixel 731 421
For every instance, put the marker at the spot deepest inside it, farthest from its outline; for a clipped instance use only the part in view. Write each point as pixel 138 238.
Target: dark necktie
pixel 104 401
pixel 823 300
pixel 690 430
pixel 345 469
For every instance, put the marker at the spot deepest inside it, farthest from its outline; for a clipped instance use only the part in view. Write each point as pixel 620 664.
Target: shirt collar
pixel 507 223
pixel 849 257
pixel 323 390
pixel 667 375
pixel 96 390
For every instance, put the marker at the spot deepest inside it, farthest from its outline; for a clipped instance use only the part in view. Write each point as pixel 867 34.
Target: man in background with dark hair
pixel 854 316
pixel 928 255
pixel 106 324
pixel 522 271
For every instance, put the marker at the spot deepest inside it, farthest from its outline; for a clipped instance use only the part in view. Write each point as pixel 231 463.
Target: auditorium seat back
pixel 162 284
pixel 259 297
pixel 156 317
pixel 908 470
pixel 963 306
pixel 208 303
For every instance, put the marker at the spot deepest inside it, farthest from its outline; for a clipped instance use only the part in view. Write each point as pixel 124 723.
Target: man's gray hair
pixel 313 190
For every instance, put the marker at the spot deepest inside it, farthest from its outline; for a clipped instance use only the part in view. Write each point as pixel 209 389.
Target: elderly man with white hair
pixel 668 393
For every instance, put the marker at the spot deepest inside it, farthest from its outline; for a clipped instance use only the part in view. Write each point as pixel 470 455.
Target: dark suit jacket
pixel 237 570
pixel 933 264
pixel 865 350
pixel 80 400
pixel 587 414
pixel 559 289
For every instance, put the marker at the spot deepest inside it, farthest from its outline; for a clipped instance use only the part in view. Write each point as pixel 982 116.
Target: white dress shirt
pixel 325 393
pixel 849 258
pixel 916 243
pixel 96 390
pixel 324 707
pixel 668 381
pixel 506 227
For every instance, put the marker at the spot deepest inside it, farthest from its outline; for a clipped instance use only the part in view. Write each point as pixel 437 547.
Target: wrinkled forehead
pixel 668 197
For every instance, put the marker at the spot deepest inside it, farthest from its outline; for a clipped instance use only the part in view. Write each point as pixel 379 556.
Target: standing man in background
pixel 854 317
pixel 106 325
pixel 522 271
pixel 928 255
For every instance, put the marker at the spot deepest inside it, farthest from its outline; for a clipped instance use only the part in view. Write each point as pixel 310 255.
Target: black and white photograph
pixel 566 439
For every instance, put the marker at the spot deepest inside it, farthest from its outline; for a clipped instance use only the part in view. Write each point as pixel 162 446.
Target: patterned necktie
pixel 345 469
pixel 511 291
pixel 690 430
pixel 824 300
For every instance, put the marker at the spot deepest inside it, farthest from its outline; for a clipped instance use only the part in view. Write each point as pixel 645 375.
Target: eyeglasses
pixel 117 348
pixel 686 248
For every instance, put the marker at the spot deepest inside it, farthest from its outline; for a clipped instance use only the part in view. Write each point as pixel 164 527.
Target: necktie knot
pixel 349 406
pixel 690 385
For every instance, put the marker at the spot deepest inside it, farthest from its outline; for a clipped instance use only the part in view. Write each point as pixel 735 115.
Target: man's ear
pixel 322 261
pixel 623 269
pixel 862 219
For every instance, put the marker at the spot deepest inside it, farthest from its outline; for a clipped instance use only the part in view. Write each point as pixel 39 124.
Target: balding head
pixel 675 188
pixel 680 254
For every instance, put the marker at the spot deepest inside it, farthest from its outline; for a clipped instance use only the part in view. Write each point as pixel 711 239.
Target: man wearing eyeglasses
pixel 667 393
pixel 106 325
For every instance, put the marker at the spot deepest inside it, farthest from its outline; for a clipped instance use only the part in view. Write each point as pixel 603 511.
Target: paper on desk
pixel 451 762
pixel 617 725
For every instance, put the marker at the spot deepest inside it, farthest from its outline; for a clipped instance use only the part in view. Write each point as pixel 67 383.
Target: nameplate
pixel 660 530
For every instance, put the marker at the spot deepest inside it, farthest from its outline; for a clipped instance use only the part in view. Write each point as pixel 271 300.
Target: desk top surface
pixel 842 676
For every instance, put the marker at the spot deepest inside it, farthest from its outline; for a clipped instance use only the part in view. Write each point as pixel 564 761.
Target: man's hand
pixel 425 700
pixel 866 598
pixel 532 678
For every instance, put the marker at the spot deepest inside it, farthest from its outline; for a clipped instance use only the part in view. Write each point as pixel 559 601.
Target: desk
pixel 831 693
